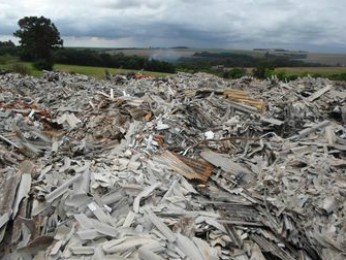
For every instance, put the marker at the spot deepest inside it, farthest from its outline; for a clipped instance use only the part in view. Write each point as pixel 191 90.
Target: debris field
pixel 186 167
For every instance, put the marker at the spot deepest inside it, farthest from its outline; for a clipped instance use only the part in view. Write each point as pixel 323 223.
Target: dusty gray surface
pixel 189 167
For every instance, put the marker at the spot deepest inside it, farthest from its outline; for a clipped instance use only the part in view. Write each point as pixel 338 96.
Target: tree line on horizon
pixel 40 43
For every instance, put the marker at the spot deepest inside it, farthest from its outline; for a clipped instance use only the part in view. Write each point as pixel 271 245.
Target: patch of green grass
pixel 21 69
pixel 332 73
pixel 7 59
pixel 97 72
pixel 33 71
pixel 10 63
pixel 321 71
pixel 100 72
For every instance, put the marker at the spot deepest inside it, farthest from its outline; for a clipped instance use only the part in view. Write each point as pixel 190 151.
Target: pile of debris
pixel 186 167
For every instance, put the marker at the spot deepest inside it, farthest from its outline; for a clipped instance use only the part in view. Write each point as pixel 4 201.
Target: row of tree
pixel 7 44
pixel 227 59
pixel 103 59
pixel 40 43
pixel 7 47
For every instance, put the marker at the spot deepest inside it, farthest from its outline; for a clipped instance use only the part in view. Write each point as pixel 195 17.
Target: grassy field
pixel 178 53
pixel 328 59
pixel 331 59
pixel 12 64
pixel 97 72
pixel 100 72
pixel 324 71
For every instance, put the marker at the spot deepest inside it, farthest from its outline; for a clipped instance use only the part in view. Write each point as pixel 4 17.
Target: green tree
pixel 7 44
pixel 7 48
pixel 38 37
pixel 263 70
pixel 235 73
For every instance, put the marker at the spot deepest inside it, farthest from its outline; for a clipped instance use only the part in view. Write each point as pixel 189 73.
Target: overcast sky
pixel 315 25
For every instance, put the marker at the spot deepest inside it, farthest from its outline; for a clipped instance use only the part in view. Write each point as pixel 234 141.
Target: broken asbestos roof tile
pixel 187 167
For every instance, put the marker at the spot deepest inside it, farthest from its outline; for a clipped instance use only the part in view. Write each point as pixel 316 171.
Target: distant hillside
pixel 184 53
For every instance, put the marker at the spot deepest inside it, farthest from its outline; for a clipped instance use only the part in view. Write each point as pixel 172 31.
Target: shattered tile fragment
pixel 187 167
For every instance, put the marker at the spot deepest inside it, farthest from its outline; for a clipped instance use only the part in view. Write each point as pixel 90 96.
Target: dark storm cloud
pixel 220 23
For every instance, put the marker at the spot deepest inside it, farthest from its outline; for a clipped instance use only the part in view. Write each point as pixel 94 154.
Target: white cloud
pixel 218 23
